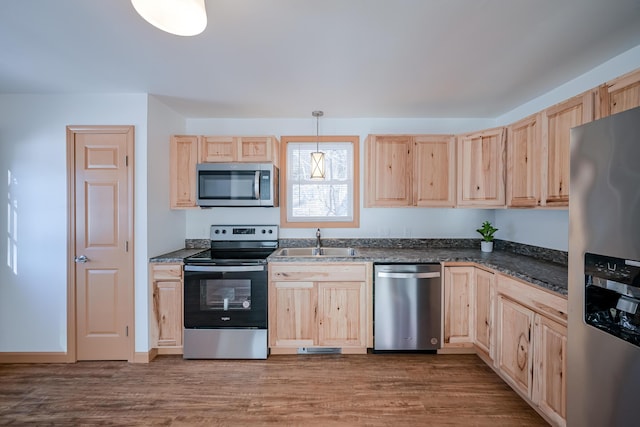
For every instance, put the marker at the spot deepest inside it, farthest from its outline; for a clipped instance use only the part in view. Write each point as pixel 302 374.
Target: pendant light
pixel 317 158
pixel 179 17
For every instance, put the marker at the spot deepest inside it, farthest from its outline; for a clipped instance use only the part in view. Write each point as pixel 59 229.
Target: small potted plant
pixel 486 231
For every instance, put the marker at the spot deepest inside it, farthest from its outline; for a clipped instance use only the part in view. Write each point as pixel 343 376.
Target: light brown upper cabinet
pixel 620 94
pixel 388 170
pixel 481 168
pixel 523 162
pixel 410 170
pixel 434 170
pixel 186 151
pixel 247 149
pixel 183 157
pixel 557 122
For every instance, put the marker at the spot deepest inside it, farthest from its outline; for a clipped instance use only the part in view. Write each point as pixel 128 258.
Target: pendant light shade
pixel 179 17
pixel 317 165
pixel 317 157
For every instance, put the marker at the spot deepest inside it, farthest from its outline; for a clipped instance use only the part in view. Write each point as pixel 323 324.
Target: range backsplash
pixel 545 254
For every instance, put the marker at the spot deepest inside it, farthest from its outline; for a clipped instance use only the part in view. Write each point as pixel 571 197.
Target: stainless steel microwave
pixel 237 184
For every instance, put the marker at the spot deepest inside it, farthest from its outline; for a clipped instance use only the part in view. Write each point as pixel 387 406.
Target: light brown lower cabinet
pixel 514 333
pixel 458 307
pixel 484 285
pixel 319 305
pixel 468 309
pixel 517 328
pixel 531 345
pixel 166 324
pixel 550 368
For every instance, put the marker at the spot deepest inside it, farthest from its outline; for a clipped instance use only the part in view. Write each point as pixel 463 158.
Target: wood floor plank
pixel 296 390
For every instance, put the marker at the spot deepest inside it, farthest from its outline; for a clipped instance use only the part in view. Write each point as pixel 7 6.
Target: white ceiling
pixel 285 58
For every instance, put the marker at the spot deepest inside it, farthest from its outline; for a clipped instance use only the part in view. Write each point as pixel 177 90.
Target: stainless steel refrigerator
pixel 603 365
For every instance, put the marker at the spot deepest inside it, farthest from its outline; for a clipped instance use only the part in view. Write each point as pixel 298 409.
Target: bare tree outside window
pixel 329 200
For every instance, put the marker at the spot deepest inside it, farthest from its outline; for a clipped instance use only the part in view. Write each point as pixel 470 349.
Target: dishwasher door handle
pixel 392 275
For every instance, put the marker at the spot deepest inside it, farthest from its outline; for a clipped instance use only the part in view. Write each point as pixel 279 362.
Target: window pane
pixel 329 199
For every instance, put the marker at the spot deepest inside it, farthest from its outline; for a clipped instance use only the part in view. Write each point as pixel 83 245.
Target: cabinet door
pixel 167 288
pixel 388 170
pixel 434 170
pixel 514 355
pixel 342 314
pixel 293 310
pixel 523 162
pixel 183 157
pixel 621 94
pixel 550 385
pixel 458 307
pixel 556 126
pixel 257 149
pixel 218 149
pixel 167 308
pixel 484 297
pixel 481 169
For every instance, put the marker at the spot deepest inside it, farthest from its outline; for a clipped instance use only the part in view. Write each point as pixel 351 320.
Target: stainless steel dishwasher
pixel 407 307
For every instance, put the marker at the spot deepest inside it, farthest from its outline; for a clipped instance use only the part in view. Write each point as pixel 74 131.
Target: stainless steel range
pixel 225 294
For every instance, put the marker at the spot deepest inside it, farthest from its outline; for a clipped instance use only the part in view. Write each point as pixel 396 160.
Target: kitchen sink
pixel 301 252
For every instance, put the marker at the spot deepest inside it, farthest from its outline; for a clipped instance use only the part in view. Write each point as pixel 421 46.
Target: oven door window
pixel 225 299
pixel 225 294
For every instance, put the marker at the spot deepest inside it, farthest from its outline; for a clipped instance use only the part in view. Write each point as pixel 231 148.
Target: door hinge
pixel 126 161
pixel 126 246
pixel 126 330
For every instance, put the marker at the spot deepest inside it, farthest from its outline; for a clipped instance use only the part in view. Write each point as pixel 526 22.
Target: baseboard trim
pixel 169 350
pixel 144 357
pixel 35 357
pixel 457 350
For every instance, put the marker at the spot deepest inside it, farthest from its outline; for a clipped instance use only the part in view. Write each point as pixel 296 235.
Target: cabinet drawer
pixel 166 271
pixel 539 300
pixel 317 271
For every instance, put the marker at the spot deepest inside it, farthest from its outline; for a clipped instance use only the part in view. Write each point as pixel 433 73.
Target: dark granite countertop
pixel 176 256
pixel 532 269
pixel 548 275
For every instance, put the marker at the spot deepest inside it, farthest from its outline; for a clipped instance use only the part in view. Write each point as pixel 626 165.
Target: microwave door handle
pixel 256 185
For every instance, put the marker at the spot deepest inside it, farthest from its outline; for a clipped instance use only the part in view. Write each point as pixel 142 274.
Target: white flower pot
pixel 486 246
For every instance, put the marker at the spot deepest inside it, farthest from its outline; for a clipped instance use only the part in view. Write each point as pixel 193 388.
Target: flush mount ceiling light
pixel 317 158
pixel 179 17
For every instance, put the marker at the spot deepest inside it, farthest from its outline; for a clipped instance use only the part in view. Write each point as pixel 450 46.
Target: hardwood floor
pixel 309 390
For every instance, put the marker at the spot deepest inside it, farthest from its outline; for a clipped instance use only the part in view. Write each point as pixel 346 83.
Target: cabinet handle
pixel 408 275
pixel 256 185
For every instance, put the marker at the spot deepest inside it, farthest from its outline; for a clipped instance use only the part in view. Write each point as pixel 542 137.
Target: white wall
pixel 545 228
pixel 621 64
pixel 33 289
pixel 167 227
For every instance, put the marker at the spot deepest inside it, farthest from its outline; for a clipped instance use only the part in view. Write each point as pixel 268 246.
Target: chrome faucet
pixel 318 243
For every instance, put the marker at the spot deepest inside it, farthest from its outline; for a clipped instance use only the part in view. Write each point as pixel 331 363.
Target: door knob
pixel 81 259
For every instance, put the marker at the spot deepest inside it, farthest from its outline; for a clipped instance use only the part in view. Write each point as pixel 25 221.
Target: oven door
pixel 225 296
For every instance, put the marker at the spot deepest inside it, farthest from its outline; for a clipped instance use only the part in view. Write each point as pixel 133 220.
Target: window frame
pixel 284 196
